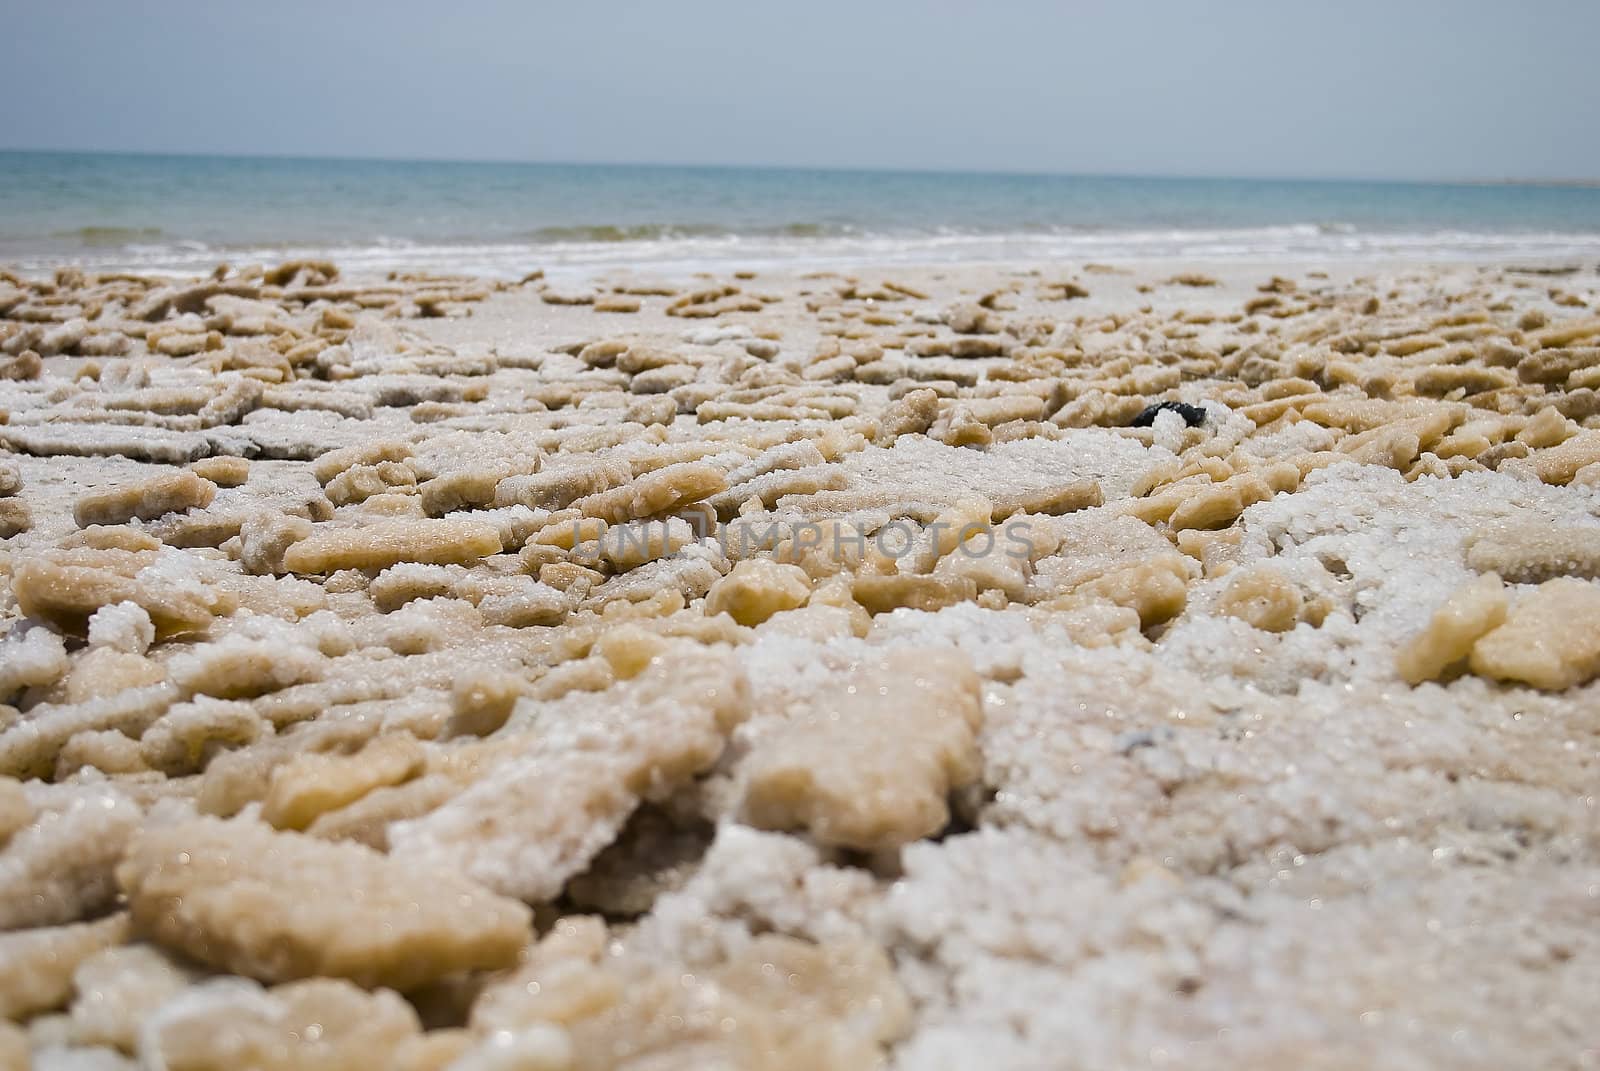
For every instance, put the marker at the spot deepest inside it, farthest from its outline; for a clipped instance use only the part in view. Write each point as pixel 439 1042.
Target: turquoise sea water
pixel 188 212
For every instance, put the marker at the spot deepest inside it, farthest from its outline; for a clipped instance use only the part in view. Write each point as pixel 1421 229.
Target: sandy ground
pixel 786 671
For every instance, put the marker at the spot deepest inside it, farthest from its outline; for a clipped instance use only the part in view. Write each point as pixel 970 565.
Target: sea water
pixel 187 213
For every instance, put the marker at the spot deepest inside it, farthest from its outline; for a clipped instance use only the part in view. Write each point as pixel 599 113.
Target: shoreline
pixel 1300 247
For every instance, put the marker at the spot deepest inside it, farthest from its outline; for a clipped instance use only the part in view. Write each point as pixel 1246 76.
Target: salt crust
pixel 1266 713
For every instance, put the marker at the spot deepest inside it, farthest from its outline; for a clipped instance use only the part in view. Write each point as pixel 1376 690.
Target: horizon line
pixel 1562 183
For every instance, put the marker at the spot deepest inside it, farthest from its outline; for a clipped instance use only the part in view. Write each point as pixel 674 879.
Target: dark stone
pixel 1193 415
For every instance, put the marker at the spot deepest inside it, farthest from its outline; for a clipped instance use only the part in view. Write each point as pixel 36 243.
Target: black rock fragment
pixel 1193 415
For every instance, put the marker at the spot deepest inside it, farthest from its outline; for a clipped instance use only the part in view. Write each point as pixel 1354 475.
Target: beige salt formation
pixel 277 906
pixel 1000 667
pixel 871 767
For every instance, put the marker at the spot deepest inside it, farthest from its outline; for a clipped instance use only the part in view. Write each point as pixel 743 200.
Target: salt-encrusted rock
pixel 752 479
pixel 689 574
pixel 473 487
pixel 67 587
pixel 15 517
pixel 240 668
pixel 15 809
pixel 1453 630
pixel 869 766
pixel 369 818
pixel 481 700
pixel 123 626
pixel 776 1003
pixel 278 906
pixel 308 786
pixel 189 735
pixel 103 672
pixel 408 581
pixel 226 1024
pixel 754 590
pixel 156 445
pixel 912 414
pixel 751 882
pixel 361 482
pixel 1262 597
pixel 651 410
pixel 386 543
pixel 22 366
pixel 567 297
pixel 229 405
pixel 1559 464
pixel 616 303
pixel 104 750
pixel 1534 553
pixel 769 487
pixel 538 819
pixel 111 537
pixel 334 462
pixel 148 499
pixel 884 594
pixel 37 965
pixel 1564 333
pixel 118 989
pixel 1055 501
pixel 29 748
pixel 630 545
pixel 30 659
pixel 540 1047
pixel 559 486
pixel 1189 642
pixel 58 868
pixel 1551 639
pixel 662 491
pixel 265 535
pixel 516 602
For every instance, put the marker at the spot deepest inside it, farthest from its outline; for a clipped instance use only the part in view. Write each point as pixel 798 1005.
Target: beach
pixel 1027 665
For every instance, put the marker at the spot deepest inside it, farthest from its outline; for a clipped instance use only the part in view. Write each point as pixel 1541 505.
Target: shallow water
pixel 187 212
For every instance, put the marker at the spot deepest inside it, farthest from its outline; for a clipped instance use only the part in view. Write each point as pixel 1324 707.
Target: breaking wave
pixel 582 250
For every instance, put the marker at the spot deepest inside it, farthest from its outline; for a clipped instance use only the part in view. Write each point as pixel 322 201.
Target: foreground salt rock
pixel 540 817
pixel 37 657
pixel 281 906
pixel 1550 639
pixel 776 1004
pixel 68 587
pixel 117 990
pixel 319 1023
pixel 871 765
pixel 37 965
pixel 1449 638
pixel 32 748
pixel 59 867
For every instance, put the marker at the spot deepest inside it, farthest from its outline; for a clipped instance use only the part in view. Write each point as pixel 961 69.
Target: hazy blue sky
pixel 1361 88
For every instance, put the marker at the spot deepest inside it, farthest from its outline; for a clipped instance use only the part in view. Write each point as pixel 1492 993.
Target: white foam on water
pixel 684 255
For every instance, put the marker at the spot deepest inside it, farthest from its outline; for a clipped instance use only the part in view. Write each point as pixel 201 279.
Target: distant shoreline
pixel 828 169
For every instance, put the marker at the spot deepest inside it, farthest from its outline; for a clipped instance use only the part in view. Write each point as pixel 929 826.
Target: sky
pixel 1401 89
